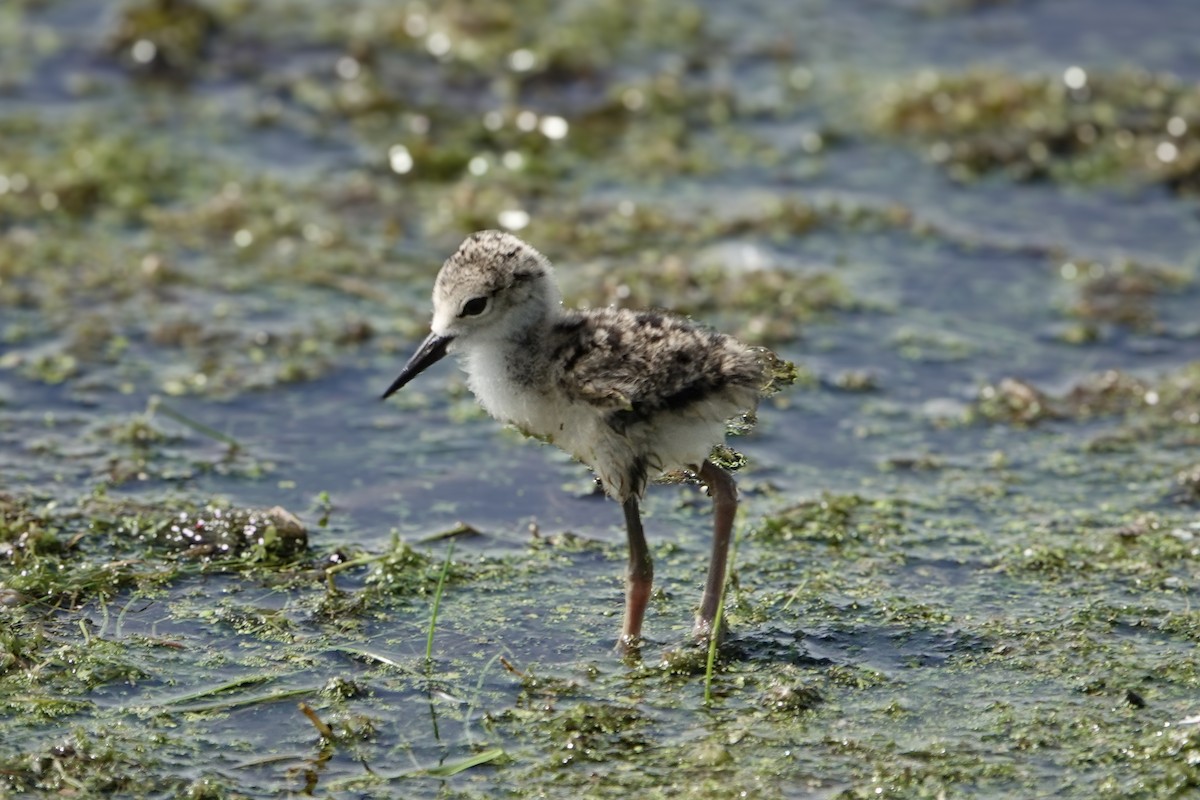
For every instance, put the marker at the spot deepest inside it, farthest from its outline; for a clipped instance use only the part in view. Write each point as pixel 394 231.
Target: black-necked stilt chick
pixel 629 393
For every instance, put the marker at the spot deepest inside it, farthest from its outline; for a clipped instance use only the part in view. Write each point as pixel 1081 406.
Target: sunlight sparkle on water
pixel 348 68
pixel 400 159
pixel 553 127
pixel 522 60
pixel 416 25
pixel 514 219
pixel 143 51
pixel 527 121
pixel 633 99
pixel 1166 152
pixel 438 44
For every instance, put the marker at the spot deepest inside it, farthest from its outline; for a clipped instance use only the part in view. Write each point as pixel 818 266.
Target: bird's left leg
pixel 724 494
pixel 638 580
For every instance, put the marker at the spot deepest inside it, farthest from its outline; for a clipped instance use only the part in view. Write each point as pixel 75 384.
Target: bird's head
pixel 494 286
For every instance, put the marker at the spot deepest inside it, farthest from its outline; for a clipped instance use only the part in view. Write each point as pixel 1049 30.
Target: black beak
pixel 430 352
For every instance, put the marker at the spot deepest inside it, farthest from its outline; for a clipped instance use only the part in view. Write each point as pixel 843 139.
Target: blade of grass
pixel 253 700
pixel 437 602
pixel 441 771
pixel 156 405
pixel 714 635
pixel 370 655
pixel 455 767
pixel 239 683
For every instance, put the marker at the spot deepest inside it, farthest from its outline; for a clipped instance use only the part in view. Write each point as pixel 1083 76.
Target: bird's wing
pixel 639 363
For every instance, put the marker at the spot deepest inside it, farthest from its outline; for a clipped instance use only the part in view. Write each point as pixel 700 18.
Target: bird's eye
pixel 474 307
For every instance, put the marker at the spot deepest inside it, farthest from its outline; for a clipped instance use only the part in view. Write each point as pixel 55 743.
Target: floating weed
pixel 592 731
pixel 785 697
pixel 84 764
pixel 1169 404
pixel 400 570
pixel 1121 294
pixel 837 520
pixel 1187 483
pixel 1037 127
pixel 256 536
pixel 163 38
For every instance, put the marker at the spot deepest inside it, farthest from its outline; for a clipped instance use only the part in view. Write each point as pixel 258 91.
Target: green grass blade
pixel 437 602
pixel 455 767
pixel 714 636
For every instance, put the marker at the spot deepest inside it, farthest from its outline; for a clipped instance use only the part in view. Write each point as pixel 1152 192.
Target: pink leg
pixel 639 579
pixel 724 494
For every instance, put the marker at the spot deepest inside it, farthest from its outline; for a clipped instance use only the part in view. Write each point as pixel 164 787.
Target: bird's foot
pixel 702 631
pixel 629 648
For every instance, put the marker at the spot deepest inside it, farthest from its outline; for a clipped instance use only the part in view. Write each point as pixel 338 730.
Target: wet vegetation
pixel 969 547
pixel 1075 126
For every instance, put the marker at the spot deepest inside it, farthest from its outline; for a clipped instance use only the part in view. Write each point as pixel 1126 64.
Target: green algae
pixel 1081 126
pixel 1168 406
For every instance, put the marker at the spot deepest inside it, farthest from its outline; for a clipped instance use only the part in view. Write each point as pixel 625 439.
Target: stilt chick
pixel 630 393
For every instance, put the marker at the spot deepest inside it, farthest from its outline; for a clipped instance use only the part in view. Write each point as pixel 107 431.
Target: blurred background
pixel 238 208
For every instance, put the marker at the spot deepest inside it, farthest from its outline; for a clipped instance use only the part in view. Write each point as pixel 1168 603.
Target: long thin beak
pixel 430 352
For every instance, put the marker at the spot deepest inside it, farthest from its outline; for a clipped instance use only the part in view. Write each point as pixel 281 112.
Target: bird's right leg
pixel 638 579
pixel 724 494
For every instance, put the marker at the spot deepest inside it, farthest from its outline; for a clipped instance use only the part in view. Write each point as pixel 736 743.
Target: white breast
pixel 533 409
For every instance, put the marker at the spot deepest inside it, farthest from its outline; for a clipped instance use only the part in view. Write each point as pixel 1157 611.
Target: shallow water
pixel 218 249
